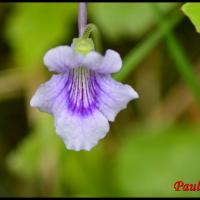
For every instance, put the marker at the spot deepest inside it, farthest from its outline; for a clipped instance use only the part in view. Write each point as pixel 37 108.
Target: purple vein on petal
pixel 80 97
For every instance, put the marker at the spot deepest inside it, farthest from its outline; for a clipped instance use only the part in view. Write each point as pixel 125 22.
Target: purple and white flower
pixel 82 96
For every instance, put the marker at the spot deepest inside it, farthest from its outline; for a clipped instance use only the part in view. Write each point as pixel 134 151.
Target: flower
pixel 82 96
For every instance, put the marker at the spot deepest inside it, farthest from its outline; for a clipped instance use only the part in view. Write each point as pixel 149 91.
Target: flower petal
pixel 107 64
pixel 114 96
pixel 49 94
pixel 81 133
pixel 82 101
pixel 61 58
pixel 77 119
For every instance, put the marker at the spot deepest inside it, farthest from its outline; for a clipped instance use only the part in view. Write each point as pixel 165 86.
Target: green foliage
pixel 126 20
pixel 135 56
pixel 34 28
pixel 192 10
pixel 182 62
pixel 150 162
pixel 147 163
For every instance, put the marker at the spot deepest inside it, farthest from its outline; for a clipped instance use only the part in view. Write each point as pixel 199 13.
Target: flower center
pixel 83 45
pixel 82 91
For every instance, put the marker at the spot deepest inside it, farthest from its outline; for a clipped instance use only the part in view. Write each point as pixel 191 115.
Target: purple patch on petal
pixel 82 94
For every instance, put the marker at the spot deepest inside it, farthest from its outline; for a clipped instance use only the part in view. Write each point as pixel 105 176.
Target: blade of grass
pixel 177 52
pixel 137 54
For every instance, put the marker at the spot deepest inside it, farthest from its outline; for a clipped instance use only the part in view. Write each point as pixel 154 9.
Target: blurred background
pixel 151 145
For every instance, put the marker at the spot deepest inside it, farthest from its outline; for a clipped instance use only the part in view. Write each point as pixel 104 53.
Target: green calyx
pixel 84 44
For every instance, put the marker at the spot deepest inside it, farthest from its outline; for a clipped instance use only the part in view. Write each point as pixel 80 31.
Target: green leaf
pixel 131 20
pixel 33 28
pixel 192 10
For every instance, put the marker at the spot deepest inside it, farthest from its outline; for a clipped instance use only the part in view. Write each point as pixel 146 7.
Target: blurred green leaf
pixel 192 10
pixel 138 53
pixel 178 54
pixel 151 161
pixel 89 171
pixel 34 28
pixel 125 19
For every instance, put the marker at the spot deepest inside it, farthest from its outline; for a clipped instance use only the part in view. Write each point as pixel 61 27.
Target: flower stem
pixel 88 30
pixel 82 18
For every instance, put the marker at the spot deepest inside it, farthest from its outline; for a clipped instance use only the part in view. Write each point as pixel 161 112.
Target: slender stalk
pixel 85 29
pixel 82 17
